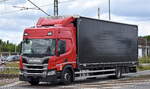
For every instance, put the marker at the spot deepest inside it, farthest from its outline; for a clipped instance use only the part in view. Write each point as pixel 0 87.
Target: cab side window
pixel 61 46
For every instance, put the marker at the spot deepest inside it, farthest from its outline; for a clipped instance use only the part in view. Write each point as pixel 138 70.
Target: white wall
pixel 140 52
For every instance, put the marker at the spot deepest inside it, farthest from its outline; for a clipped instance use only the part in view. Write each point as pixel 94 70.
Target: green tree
pixel 9 47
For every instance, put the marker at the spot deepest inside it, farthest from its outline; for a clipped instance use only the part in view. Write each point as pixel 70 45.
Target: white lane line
pixel 12 84
pixel 113 87
pixel 68 86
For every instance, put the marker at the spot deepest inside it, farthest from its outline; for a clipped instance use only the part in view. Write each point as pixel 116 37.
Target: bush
pixel 141 68
pixel 144 60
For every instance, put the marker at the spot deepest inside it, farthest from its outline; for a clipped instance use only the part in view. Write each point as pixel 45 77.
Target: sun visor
pixel 45 21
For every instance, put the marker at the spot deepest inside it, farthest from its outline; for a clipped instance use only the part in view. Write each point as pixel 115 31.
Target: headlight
pixel 26 34
pixel 53 72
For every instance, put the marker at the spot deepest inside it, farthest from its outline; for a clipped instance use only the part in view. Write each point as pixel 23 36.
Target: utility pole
pixel 146 51
pixel 15 48
pixel 109 9
pixel 55 7
pixel 98 13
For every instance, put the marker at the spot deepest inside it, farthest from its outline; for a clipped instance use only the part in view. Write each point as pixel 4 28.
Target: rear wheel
pixel 67 77
pixel 118 73
pixel 34 82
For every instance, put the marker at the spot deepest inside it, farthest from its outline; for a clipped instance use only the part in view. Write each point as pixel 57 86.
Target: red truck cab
pixel 47 49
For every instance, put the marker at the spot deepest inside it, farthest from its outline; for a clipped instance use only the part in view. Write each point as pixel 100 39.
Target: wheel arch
pixel 68 66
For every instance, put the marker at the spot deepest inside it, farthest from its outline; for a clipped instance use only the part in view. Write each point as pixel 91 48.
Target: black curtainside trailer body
pixel 106 43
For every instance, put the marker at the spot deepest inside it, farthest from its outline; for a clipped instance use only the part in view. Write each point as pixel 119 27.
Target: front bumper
pixel 41 78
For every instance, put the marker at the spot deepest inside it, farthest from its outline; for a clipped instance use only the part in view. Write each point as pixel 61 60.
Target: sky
pixel 13 21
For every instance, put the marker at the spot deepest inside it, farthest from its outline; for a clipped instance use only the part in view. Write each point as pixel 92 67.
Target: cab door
pixel 64 53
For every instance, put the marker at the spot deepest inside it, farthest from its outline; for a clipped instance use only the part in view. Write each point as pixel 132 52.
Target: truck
pixel 65 49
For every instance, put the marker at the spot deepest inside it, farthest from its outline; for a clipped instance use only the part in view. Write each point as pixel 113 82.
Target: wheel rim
pixel 118 74
pixel 67 76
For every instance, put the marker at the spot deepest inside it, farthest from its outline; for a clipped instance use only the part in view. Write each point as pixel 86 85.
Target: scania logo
pixel 34 61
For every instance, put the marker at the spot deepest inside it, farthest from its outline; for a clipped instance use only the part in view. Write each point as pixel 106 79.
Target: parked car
pixel 12 58
pixel 2 61
pixel 3 58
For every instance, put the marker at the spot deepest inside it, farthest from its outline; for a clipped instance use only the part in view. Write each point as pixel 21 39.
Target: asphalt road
pixel 140 80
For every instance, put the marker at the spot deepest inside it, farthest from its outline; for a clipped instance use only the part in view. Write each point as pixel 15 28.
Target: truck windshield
pixel 38 47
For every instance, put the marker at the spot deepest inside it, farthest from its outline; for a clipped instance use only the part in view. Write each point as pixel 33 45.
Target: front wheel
pixel 34 82
pixel 118 73
pixel 66 77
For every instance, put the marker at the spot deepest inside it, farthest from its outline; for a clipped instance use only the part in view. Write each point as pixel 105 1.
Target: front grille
pixel 35 68
pixel 34 71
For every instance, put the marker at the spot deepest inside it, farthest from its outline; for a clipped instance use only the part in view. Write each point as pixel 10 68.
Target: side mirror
pixel 27 41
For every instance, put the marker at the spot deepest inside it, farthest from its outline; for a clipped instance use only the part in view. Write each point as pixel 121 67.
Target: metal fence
pixel 9 70
pixel 8 74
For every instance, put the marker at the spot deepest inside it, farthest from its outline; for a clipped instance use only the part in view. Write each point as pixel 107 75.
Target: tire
pixel 67 77
pixel 118 73
pixel 34 82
